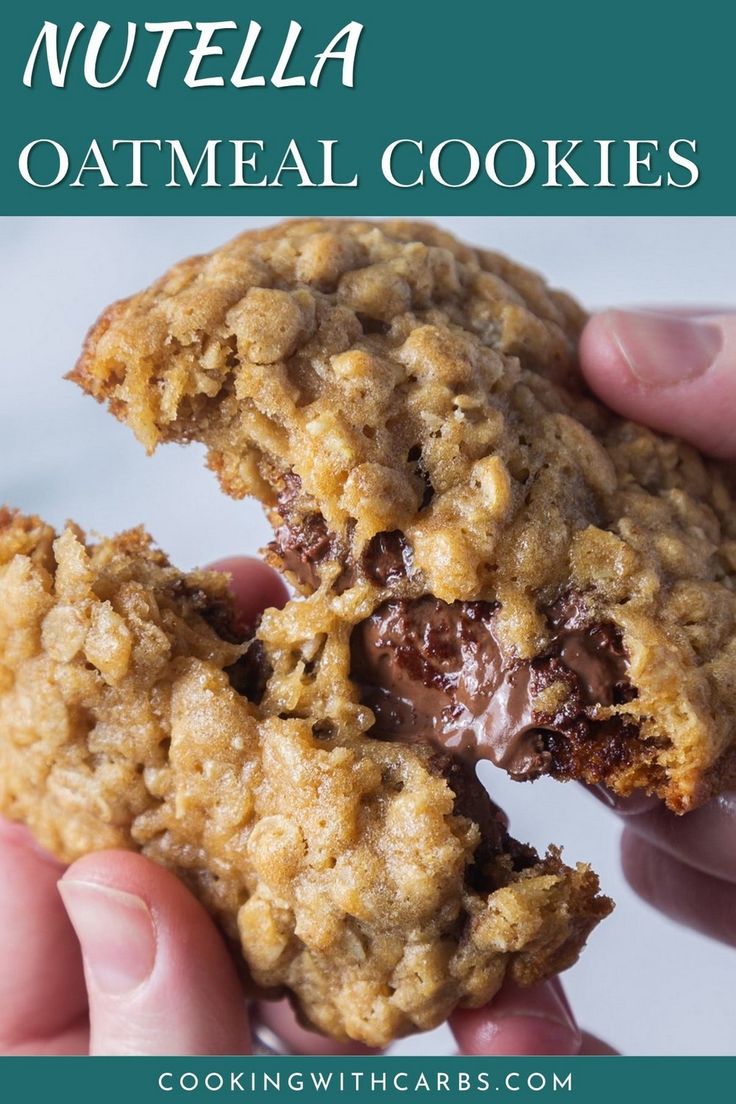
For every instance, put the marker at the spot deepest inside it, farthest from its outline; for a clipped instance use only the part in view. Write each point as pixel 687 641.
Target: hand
pixel 675 372
pixel 114 956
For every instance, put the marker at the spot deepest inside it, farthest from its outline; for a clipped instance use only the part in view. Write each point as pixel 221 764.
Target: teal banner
pixel 358 1081
pixel 368 107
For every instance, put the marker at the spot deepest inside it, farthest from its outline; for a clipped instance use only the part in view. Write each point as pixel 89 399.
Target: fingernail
pixel 661 351
pixel 116 932
pixel 548 1021
pixel 553 1010
pixel 602 794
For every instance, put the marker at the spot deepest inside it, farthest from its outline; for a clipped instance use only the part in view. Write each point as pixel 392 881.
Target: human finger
pixel 43 1001
pixel 686 895
pixel 159 977
pixel 675 374
pixel 535 1021
pixel 254 585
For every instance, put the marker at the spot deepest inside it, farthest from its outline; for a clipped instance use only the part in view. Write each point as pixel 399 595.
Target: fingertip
pixel 675 373
pixel 601 360
pixel 631 847
pixel 648 871
pixel 643 866
pixel 178 916
pixel 688 896
pixel 607 369
pixel 160 978
pixel 254 585
pixel 704 839
pixel 534 1021
pixel 635 804
pixel 513 1036
pixel 130 872
pixel 593 1046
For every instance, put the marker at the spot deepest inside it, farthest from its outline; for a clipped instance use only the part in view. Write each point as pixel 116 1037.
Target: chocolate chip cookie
pixel 372 879
pixel 491 561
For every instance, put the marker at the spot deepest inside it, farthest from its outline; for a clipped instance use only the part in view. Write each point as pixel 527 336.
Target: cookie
pixel 491 559
pixel 373 880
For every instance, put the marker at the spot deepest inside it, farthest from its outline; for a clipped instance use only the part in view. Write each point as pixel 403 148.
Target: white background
pixel 645 985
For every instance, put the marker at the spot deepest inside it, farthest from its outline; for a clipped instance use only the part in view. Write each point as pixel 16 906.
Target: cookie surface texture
pixel 411 414
pixel 373 881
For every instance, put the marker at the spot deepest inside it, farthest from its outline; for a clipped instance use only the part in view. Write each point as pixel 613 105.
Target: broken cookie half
pixel 492 560
pixel 373 880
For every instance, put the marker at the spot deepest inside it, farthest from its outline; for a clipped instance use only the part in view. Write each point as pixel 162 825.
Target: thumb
pixel 159 977
pixel 676 374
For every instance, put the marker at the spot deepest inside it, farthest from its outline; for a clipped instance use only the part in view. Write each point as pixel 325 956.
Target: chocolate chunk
pixel 219 613
pixel 472 801
pixel 435 671
pixel 250 674
pixel 386 558
pixel 303 541
pixel 303 547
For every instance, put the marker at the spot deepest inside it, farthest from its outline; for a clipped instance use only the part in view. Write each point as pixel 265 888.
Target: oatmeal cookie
pixel 492 559
pixel 373 880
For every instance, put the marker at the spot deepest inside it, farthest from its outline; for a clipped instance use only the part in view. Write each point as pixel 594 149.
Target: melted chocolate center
pixel 435 671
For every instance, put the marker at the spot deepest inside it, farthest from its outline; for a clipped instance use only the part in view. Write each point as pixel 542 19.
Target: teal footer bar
pixel 307 1080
